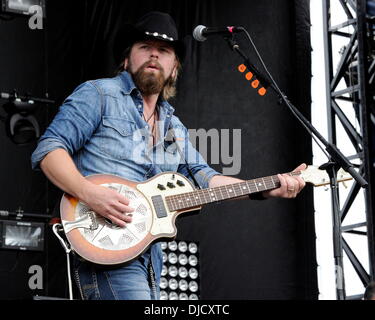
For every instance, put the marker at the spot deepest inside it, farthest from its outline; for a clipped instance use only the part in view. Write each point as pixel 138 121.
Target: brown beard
pixel 148 83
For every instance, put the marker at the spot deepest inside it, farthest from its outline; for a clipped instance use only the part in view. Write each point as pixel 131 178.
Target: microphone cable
pixel 283 97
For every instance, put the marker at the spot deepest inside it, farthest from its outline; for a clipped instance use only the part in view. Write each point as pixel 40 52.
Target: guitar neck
pixel 201 197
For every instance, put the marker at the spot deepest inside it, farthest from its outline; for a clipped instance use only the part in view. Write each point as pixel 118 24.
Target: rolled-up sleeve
pixel 201 170
pixel 73 125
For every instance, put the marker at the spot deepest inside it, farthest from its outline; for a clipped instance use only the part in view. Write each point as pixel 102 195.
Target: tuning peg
pixel 326 188
pixel 345 185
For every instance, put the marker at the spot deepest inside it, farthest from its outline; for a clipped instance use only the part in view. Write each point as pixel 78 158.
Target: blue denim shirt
pixel 101 126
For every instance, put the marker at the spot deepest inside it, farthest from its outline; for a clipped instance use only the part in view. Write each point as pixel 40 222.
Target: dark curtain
pixel 248 249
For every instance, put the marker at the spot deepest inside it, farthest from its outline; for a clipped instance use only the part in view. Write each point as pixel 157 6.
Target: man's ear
pixel 174 72
pixel 126 63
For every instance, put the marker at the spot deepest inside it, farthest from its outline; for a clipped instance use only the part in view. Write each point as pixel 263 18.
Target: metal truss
pixel 351 90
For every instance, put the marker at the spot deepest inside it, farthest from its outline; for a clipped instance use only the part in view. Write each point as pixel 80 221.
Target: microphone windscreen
pixel 198 33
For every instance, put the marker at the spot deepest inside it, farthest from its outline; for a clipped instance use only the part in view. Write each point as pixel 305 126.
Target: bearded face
pixel 152 64
pixel 149 78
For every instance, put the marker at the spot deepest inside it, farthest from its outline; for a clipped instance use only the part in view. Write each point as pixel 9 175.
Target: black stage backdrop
pixel 248 249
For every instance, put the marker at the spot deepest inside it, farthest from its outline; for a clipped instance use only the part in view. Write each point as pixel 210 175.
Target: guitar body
pixel 98 240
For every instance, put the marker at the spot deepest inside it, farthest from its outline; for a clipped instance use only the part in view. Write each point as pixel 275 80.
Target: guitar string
pixel 236 187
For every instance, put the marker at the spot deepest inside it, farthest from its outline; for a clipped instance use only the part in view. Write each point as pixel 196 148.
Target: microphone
pixel 201 32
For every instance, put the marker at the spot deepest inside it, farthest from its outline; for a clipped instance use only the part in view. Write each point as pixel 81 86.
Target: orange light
pixel 255 84
pixel 249 75
pixel 262 91
pixel 242 68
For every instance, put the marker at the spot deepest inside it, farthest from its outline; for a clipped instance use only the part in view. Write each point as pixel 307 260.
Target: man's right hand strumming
pixel 59 167
pixel 107 203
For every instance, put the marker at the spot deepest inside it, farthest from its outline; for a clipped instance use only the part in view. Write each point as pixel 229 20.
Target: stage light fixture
pixel 183 272
pixel 172 245
pixel 183 296
pixel 173 284
pixel 22 6
pixel 180 272
pixel 182 259
pixel 193 296
pixel 173 271
pixel 173 296
pixel 183 285
pixel 193 248
pixel 193 260
pixel 172 258
pixel 20 123
pixel 164 270
pixel 163 295
pixel 193 273
pixel 182 246
pixel 163 283
pixel 193 286
pixel 22 235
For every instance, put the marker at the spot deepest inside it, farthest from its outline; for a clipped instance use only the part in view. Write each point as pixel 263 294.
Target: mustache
pixel 152 63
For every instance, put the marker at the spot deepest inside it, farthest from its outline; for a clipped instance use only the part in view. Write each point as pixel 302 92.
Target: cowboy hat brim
pixel 129 34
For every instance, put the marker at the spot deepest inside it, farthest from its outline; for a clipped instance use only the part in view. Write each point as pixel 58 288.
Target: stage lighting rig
pixel 21 125
pixel 180 278
pixel 22 6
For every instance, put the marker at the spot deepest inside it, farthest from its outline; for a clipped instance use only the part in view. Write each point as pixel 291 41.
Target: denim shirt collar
pixel 129 87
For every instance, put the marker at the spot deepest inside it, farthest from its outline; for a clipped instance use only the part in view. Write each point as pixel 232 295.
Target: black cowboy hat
pixel 153 25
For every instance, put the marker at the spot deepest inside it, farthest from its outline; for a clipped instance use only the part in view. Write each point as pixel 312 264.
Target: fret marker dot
pixel 259 184
pixel 244 188
pixel 230 190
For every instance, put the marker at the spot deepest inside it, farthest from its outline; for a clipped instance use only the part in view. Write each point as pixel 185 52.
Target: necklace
pixel 153 126
pixel 147 120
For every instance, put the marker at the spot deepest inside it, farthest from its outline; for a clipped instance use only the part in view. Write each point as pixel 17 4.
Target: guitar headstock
pixel 318 177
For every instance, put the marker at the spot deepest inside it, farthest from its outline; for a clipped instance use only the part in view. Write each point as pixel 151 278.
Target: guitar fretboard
pixel 205 196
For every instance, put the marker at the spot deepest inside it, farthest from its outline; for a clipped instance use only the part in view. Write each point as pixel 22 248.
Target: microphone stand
pixel 13 96
pixel 336 161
